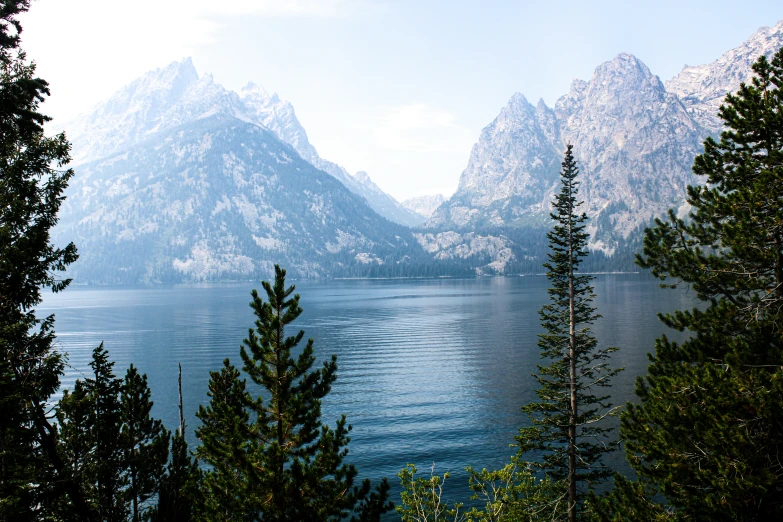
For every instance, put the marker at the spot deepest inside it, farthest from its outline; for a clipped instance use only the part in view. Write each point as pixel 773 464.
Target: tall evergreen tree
pixel 32 474
pixel 107 456
pixel 566 427
pixel 304 477
pixel 144 442
pixel 228 448
pixel 707 434
pixel 90 421
pixel 109 440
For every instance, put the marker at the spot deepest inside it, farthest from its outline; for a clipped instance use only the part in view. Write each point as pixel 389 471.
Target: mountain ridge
pixel 634 138
pixel 195 182
pixel 165 97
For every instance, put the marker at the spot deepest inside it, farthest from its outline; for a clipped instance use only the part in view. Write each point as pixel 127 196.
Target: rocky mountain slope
pixel 166 98
pixel 219 198
pixel 180 179
pixel 425 206
pixel 634 138
pixel 702 88
pixel 278 116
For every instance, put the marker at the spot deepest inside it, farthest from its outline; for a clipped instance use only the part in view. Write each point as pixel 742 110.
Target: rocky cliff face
pixel 634 138
pixel 702 88
pixel 635 144
pixel 511 170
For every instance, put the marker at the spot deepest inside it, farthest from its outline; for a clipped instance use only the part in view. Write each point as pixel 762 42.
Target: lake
pixel 430 371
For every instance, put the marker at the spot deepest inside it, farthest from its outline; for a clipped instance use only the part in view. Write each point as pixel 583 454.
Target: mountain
pixel 278 116
pixel 634 138
pixel 702 88
pixel 179 179
pixel 634 142
pixel 510 170
pixel 218 198
pixel 165 98
pixel 424 205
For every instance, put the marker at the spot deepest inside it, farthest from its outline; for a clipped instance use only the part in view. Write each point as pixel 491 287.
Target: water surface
pixel 429 370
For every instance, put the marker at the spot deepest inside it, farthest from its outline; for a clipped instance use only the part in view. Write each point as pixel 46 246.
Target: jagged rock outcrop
pixel 510 171
pixel 635 140
pixel 702 88
pixel 635 144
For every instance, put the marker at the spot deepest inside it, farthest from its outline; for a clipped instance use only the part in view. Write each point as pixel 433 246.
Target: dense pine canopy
pixel 707 434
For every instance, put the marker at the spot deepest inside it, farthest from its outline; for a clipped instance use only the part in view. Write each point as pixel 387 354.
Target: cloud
pixel 418 128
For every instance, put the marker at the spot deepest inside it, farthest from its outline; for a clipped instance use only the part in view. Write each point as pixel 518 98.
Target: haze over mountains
pixel 180 179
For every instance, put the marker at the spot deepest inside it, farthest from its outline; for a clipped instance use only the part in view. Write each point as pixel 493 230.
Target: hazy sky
pixel 400 89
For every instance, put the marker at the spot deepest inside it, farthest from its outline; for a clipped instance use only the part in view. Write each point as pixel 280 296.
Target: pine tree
pixel 177 492
pixel 566 430
pixel 107 456
pixel 304 477
pixel 144 442
pixel 707 433
pixel 32 474
pixel 228 448
pixel 109 440
pixel 90 420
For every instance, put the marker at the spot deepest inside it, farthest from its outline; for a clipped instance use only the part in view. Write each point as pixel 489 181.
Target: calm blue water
pixel 429 370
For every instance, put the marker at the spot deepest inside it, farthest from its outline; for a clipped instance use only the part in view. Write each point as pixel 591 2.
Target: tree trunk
pixel 135 495
pixel 280 408
pixel 572 375
pixel 181 414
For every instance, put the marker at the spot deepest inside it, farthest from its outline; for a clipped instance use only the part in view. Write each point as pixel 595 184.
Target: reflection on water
pixel 429 370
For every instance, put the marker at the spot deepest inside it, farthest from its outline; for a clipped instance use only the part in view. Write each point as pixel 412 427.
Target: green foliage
pixel 90 421
pixel 707 433
pixel 628 501
pixel 228 448
pixel 422 498
pixel 514 494
pixel 178 486
pixel 112 446
pixel 303 476
pixel 144 442
pixel 32 476
pixel 275 458
pixel 566 431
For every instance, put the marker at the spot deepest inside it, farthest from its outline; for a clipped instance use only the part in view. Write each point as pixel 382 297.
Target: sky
pixel 399 89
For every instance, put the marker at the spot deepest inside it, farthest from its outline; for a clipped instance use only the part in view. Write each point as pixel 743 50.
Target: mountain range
pixel 634 138
pixel 170 97
pixel 180 179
